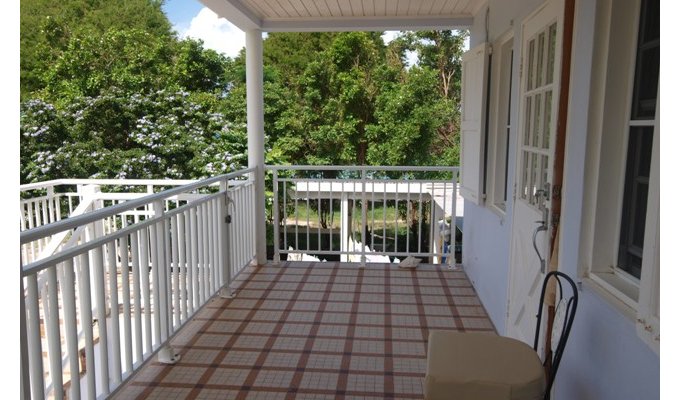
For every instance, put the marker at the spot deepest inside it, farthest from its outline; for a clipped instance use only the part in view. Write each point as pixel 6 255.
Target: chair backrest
pixel 565 309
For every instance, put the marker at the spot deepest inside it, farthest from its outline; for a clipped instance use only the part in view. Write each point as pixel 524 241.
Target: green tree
pixel 46 28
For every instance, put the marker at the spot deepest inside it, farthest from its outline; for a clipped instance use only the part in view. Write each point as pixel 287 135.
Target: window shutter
pixel 473 122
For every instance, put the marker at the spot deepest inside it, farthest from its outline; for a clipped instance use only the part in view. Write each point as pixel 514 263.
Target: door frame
pixel 562 74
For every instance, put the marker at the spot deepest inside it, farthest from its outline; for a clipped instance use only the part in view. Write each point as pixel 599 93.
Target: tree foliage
pixel 108 90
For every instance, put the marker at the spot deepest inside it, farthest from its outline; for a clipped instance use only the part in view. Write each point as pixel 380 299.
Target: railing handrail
pixel 70 223
pixel 56 258
pixel 116 182
pixel 433 168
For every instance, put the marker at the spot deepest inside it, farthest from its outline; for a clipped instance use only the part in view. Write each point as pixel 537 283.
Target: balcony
pixel 150 289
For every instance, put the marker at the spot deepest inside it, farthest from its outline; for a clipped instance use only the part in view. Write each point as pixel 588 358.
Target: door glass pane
pixel 533 185
pixel 547 110
pixel 544 170
pixel 537 120
pixel 539 59
pixel 552 40
pixel 530 65
pixel 525 175
pixel 527 121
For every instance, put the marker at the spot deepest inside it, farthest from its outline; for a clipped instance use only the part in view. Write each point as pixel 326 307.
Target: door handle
pixel 541 227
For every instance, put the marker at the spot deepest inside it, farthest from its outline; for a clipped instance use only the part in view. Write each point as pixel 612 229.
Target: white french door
pixel 539 94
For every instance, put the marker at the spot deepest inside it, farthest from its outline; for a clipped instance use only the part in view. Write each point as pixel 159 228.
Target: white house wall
pixel 604 358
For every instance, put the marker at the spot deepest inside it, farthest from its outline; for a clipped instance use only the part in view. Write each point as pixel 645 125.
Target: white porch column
pixel 255 103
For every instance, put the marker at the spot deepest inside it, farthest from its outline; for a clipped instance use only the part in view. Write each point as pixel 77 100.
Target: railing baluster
pixel 145 271
pixel 46 218
pixel 86 324
pixel 319 208
pixel 363 217
pixel 285 216
pixel 71 326
pixel 205 253
pixel 136 290
pixel 330 195
pixel 373 214
pixel 193 271
pixel 182 254
pixel 213 245
pixel 53 332
pixel 34 342
pixel 166 267
pixel 297 222
pixel 115 320
pixel 155 285
pixel 100 298
pixel 420 216
pixel 175 265
pixel 308 212
pixel 276 216
pixel 408 215
pixel 385 216
pixel 125 288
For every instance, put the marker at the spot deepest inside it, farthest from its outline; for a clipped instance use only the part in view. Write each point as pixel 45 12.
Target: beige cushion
pixel 473 366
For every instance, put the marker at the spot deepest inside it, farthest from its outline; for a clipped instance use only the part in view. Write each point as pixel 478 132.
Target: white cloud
pixel 388 36
pixel 217 33
pixel 411 56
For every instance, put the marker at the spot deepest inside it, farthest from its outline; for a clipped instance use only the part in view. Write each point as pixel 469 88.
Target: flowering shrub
pixel 162 134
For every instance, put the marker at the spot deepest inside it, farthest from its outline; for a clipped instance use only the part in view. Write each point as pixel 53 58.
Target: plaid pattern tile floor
pixel 315 331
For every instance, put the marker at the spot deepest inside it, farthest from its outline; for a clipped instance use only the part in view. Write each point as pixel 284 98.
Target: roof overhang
pixel 346 15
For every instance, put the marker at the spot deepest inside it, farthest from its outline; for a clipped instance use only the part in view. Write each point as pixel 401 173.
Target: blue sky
pixel 181 12
pixel 191 18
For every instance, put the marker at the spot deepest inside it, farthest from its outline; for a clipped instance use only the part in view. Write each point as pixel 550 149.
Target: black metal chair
pixel 565 310
pixel 471 366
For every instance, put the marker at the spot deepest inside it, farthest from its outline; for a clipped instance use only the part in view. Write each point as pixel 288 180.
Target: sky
pixel 191 19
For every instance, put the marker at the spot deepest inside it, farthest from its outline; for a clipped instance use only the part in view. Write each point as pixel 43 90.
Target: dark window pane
pixel 647 62
pixel 640 213
pixel 645 136
pixel 646 84
pixel 634 212
pixel 650 17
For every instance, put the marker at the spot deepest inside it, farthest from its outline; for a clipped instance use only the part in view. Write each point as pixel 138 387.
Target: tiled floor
pixel 315 331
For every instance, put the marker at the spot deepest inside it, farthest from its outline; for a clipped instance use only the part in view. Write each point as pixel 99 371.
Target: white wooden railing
pixel 384 212
pixel 51 201
pixel 124 279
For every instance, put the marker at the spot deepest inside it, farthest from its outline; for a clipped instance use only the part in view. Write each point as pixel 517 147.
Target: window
pixel 499 130
pixel 621 222
pixel 640 139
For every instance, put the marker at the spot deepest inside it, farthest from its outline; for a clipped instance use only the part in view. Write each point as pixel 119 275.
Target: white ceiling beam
pixel 366 24
pixel 236 12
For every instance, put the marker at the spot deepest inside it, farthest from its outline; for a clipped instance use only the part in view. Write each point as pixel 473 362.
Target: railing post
pixel 224 241
pixel 276 216
pixel 452 240
pixel 363 217
pixel 166 355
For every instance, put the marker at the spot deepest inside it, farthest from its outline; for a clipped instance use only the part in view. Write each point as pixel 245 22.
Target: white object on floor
pixel 409 262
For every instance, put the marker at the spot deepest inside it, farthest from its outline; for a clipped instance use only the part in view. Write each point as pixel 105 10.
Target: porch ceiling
pixel 346 15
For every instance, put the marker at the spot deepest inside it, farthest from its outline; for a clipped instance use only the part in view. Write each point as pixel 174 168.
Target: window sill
pixel 498 209
pixel 616 290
